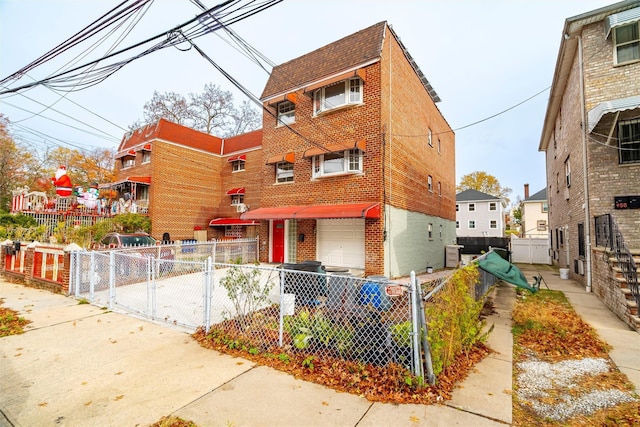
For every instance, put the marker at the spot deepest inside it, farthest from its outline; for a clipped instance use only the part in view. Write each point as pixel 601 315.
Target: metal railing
pixel 608 235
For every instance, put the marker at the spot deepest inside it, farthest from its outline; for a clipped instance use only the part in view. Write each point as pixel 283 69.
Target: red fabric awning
pixel 235 191
pixel 146 147
pixel 128 153
pixel 242 157
pixel 289 157
pixel 219 222
pixel 333 148
pixel 355 210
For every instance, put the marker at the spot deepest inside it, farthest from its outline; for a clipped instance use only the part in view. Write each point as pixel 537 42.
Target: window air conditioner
pixel 566 193
pixel 242 208
pixel 581 267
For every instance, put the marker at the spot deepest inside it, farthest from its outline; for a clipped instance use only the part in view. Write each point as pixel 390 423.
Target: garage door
pixel 341 242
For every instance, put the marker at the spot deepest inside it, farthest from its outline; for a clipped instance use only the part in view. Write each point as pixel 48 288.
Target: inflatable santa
pixel 62 182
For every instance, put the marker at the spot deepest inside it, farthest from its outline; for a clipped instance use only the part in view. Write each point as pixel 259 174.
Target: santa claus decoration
pixel 62 182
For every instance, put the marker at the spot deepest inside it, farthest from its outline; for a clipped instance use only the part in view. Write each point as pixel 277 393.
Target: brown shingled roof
pixel 173 132
pixel 342 55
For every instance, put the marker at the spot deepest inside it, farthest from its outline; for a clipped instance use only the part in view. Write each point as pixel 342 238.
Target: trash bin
pixel 341 290
pixel 306 287
pixel 373 293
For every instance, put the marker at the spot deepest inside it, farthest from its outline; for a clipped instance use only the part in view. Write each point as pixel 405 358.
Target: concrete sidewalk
pixel 78 365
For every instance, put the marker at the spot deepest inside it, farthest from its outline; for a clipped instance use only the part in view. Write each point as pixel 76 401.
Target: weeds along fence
pixel 300 308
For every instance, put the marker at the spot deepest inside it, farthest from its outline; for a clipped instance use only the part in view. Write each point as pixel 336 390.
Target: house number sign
pixel 627 202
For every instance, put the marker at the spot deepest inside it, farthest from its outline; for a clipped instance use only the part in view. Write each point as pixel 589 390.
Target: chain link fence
pixel 299 308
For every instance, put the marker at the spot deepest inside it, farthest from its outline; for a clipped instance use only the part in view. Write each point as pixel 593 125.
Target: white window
pixel 472 207
pixel 237 165
pixel 146 156
pixel 472 224
pixel 493 224
pixel 346 92
pixel 286 113
pixel 430 231
pixel 541 225
pixel 629 137
pixel 237 199
pixel 429 137
pixel 430 183
pixel 493 206
pixel 284 172
pixel 567 172
pixel 128 162
pixel 340 162
pixel 626 40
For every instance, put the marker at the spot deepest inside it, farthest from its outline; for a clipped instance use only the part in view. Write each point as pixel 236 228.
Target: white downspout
pixel 587 214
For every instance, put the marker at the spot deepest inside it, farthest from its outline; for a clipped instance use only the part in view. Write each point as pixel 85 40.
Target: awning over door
pixel 355 210
pixel 613 106
pixel 221 222
pixel 235 191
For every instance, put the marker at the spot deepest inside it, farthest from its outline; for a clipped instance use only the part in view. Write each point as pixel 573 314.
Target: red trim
pixel 146 147
pixel 356 210
pixel 241 157
pixel 217 222
pixel 235 191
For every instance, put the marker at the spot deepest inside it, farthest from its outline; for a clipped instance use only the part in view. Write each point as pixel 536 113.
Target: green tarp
pixel 503 269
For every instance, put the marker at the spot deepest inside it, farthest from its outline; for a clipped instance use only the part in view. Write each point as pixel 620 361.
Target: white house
pixel 535 215
pixel 479 214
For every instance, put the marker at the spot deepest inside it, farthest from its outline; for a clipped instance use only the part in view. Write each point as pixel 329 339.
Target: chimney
pixel 526 191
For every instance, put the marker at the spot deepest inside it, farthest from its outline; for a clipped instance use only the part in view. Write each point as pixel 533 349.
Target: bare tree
pixel 211 111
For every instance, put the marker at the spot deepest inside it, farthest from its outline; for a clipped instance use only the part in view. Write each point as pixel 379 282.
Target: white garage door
pixel 341 242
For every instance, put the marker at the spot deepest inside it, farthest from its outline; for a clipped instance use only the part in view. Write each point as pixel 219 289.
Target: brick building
pixel 191 184
pixel 358 161
pixel 591 139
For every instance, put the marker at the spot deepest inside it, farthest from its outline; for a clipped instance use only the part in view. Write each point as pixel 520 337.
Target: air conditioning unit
pixel 566 193
pixel 581 267
pixel 242 208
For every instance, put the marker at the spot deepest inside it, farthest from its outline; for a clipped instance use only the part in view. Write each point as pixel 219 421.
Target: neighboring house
pixel 358 160
pixel 191 184
pixel 591 140
pixel 479 214
pixel 535 214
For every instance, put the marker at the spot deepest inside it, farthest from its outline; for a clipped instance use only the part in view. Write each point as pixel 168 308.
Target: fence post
pixel 208 293
pixel 151 288
pixel 75 261
pixel 281 319
pixel 92 275
pixel 112 279
pixel 417 359
pixel 426 348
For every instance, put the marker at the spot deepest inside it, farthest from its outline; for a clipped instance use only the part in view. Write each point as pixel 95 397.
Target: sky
pixel 483 58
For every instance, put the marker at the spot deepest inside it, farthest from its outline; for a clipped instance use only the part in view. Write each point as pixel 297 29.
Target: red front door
pixel 277 244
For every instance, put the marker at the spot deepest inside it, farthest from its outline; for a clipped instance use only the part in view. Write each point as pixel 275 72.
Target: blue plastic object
pixel 372 293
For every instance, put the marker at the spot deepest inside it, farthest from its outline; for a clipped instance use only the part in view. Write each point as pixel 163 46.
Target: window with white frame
pixel 493 224
pixel 237 199
pixel 430 183
pixel 337 163
pixel 146 156
pixel 567 172
pixel 545 206
pixel 493 206
pixel 629 137
pixel 237 165
pixel 286 113
pixel 128 162
pixel 430 231
pixel 471 207
pixel 472 224
pixel 142 193
pixel 626 39
pixel 346 92
pixel 284 172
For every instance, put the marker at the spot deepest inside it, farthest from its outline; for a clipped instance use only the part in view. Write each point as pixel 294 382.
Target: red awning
pixel 333 148
pixel 235 191
pixel 289 157
pixel 146 147
pixel 242 157
pixel 356 210
pixel 219 222
pixel 128 153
